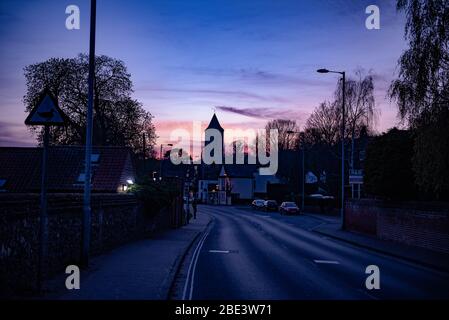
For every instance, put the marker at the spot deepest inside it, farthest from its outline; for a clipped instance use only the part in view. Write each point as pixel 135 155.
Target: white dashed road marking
pixel 219 251
pixel 326 261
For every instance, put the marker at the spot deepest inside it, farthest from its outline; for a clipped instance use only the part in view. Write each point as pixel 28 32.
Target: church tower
pixel 215 124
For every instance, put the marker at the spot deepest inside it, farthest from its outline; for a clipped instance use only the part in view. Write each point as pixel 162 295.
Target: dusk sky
pixel 253 60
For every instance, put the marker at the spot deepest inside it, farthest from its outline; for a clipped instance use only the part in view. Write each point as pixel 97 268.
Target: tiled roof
pixel 21 168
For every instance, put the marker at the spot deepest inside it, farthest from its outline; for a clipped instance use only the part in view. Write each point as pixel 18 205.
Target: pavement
pixel 139 271
pixel 249 254
pixel 422 256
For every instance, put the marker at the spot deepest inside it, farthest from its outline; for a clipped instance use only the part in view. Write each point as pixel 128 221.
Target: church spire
pixel 215 124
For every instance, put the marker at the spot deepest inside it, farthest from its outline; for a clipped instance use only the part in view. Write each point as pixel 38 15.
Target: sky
pixel 250 61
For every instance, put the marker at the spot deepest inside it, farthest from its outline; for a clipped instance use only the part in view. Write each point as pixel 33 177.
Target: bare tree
pixel 360 107
pixel 286 140
pixel 323 125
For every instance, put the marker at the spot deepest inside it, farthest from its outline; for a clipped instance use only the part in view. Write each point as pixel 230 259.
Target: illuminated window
pixel 95 158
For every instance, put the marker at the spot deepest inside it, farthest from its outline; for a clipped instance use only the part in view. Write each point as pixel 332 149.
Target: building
pixel 230 183
pixel 20 169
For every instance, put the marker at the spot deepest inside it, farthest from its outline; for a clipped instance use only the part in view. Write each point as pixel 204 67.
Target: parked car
pixel 270 205
pixel 257 204
pixel 288 208
pixel 325 202
pixel 320 196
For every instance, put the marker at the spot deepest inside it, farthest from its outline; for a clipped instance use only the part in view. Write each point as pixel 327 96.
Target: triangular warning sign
pixel 46 112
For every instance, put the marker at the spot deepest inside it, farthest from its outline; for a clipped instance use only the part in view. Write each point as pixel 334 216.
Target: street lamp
pixel 161 158
pixel 303 169
pixel 342 143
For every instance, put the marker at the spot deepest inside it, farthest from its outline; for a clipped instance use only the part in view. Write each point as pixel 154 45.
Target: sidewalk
pixel 421 256
pixel 139 270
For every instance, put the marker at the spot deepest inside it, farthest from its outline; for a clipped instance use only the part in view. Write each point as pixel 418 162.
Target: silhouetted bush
pixel 431 154
pixel 155 195
pixel 388 166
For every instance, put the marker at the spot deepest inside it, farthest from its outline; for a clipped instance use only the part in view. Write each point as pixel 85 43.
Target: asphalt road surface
pixel 249 254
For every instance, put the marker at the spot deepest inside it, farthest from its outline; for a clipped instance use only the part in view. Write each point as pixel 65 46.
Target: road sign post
pixel 43 225
pixel 46 113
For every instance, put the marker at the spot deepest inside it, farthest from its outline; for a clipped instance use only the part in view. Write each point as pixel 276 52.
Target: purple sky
pixel 252 59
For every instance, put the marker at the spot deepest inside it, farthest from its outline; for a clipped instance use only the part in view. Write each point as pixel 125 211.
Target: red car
pixel 288 208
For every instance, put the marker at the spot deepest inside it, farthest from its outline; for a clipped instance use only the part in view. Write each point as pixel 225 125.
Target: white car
pixel 258 204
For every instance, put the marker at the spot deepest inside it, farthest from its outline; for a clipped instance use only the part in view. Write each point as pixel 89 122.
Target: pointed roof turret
pixel 214 124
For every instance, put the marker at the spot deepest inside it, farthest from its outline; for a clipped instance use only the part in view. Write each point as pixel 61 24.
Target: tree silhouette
pixel 119 120
pixel 422 91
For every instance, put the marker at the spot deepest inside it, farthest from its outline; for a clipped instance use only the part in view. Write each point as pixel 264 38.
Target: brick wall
pixel 416 224
pixel 361 218
pixel 116 219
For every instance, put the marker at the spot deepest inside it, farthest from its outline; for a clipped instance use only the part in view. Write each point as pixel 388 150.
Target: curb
pixel 416 261
pixel 176 266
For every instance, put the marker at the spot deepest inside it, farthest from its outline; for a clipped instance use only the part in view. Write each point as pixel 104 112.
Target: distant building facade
pixel 226 184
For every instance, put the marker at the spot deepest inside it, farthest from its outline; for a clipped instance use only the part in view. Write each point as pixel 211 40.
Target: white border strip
pixel 219 251
pixel 326 261
pixel 193 265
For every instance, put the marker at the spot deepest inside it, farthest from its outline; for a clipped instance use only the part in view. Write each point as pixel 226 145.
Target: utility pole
pixel 144 153
pixel 301 153
pixel 303 173
pixel 85 242
pixel 160 163
pixel 343 153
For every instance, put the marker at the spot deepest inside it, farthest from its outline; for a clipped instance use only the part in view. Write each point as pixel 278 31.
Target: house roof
pixel 21 168
pixel 214 124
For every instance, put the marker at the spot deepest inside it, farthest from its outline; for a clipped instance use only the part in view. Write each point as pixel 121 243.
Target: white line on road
pixel 193 265
pixel 259 215
pixel 326 261
pixel 219 251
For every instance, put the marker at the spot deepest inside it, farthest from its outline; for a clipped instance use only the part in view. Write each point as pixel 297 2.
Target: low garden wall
pixel 116 219
pixel 423 225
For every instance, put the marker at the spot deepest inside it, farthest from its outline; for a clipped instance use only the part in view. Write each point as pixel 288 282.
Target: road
pixel 248 254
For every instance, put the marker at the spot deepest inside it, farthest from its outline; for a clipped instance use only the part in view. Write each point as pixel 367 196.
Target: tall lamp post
pixel 85 242
pixel 162 158
pixel 303 169
pixel 342 142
